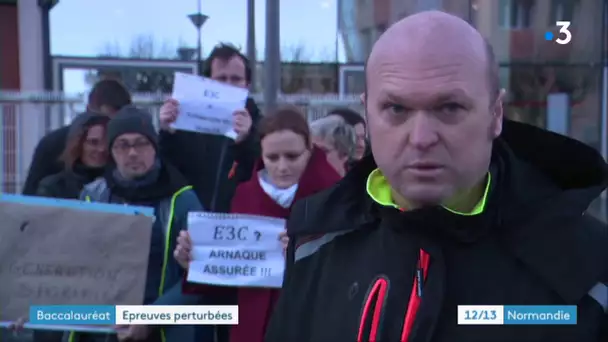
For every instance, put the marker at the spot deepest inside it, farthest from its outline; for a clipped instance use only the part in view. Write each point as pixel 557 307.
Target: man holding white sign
pixel 215 164
pixel 207 106
pixel 222 151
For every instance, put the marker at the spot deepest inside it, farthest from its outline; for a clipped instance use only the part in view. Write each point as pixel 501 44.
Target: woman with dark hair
pixel 84 158
pixel 106 97
pixel 290 169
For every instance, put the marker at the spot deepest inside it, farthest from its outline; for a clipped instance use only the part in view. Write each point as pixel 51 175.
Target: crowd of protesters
pixel 112 154
pixel 449 198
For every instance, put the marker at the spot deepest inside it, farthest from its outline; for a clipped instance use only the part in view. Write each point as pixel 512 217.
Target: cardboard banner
pixel 63 252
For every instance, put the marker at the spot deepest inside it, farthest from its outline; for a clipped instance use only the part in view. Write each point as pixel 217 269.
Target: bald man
pixel 457 206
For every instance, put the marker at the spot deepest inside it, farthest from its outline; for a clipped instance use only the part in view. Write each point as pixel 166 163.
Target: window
pixel 366 41
pixel 516 14
pixel 380 30
pixel 562 10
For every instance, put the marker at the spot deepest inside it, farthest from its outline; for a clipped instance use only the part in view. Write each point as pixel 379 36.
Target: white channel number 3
pixel 563 31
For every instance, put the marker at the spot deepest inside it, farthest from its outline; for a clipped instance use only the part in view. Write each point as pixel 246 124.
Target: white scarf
pixel 282 197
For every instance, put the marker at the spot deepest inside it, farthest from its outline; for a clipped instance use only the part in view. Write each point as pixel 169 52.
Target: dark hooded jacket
pixel 69 182
pixel 213 164
pixel 45 161
pixel 352 263
pixel 167 192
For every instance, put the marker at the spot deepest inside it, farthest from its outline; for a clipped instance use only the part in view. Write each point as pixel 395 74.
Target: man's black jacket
pixel 45 161
pixel 206 161
pixel 533 245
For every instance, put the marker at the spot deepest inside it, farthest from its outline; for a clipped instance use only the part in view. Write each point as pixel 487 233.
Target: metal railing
pixel 26 117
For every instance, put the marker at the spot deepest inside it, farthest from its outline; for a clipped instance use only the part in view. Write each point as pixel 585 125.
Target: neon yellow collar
pixel 380 191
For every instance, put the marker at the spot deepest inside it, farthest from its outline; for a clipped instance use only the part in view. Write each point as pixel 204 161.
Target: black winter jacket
pixel 533 245
pixel 45 161
pixel 206 161
pixel 68 183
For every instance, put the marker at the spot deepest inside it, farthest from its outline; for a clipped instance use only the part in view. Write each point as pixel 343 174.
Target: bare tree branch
pixel 295 53
pixel 110 49
pixel 143 46
pixel 167 51
pixel 327 56
pixel 294 72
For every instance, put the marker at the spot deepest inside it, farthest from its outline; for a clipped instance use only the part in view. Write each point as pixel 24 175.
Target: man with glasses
pixel 137 175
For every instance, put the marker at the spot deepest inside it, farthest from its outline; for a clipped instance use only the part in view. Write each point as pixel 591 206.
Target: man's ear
pixel 498 113
pixel 363 98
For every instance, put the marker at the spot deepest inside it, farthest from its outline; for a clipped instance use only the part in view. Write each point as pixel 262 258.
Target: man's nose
pixel 423 133
pixel 132 151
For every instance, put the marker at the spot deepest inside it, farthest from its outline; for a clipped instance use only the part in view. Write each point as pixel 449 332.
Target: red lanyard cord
pixel 232 171
pixel 416 295
pixel 378 292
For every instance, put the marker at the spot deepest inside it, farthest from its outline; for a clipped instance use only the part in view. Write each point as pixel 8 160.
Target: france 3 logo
pixel 564 36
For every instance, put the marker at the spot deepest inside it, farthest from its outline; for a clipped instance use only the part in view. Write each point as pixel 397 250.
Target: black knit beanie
pixel 132 120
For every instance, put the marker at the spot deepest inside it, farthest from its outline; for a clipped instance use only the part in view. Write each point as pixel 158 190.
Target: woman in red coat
pixel 291 168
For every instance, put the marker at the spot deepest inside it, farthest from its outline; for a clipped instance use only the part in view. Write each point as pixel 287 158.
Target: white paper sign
pixel 236 250
pixel 206 106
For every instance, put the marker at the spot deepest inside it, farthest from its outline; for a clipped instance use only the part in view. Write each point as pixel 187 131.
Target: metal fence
pixel 26 117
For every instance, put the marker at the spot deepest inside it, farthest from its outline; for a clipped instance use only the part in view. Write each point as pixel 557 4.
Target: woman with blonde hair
pixel 337 138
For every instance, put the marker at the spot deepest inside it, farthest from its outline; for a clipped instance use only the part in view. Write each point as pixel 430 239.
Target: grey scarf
pixel 149 178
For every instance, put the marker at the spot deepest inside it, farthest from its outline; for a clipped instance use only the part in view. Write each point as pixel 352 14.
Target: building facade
pixel 24 66
pixel 532 68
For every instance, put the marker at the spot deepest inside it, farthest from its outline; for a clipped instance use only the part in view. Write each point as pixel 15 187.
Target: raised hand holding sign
pixel 236 250
pixel 206 106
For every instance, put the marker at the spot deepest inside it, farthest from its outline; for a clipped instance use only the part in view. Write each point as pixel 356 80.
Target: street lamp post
pixel 251 50
pixel 198 19
pixel 272 62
